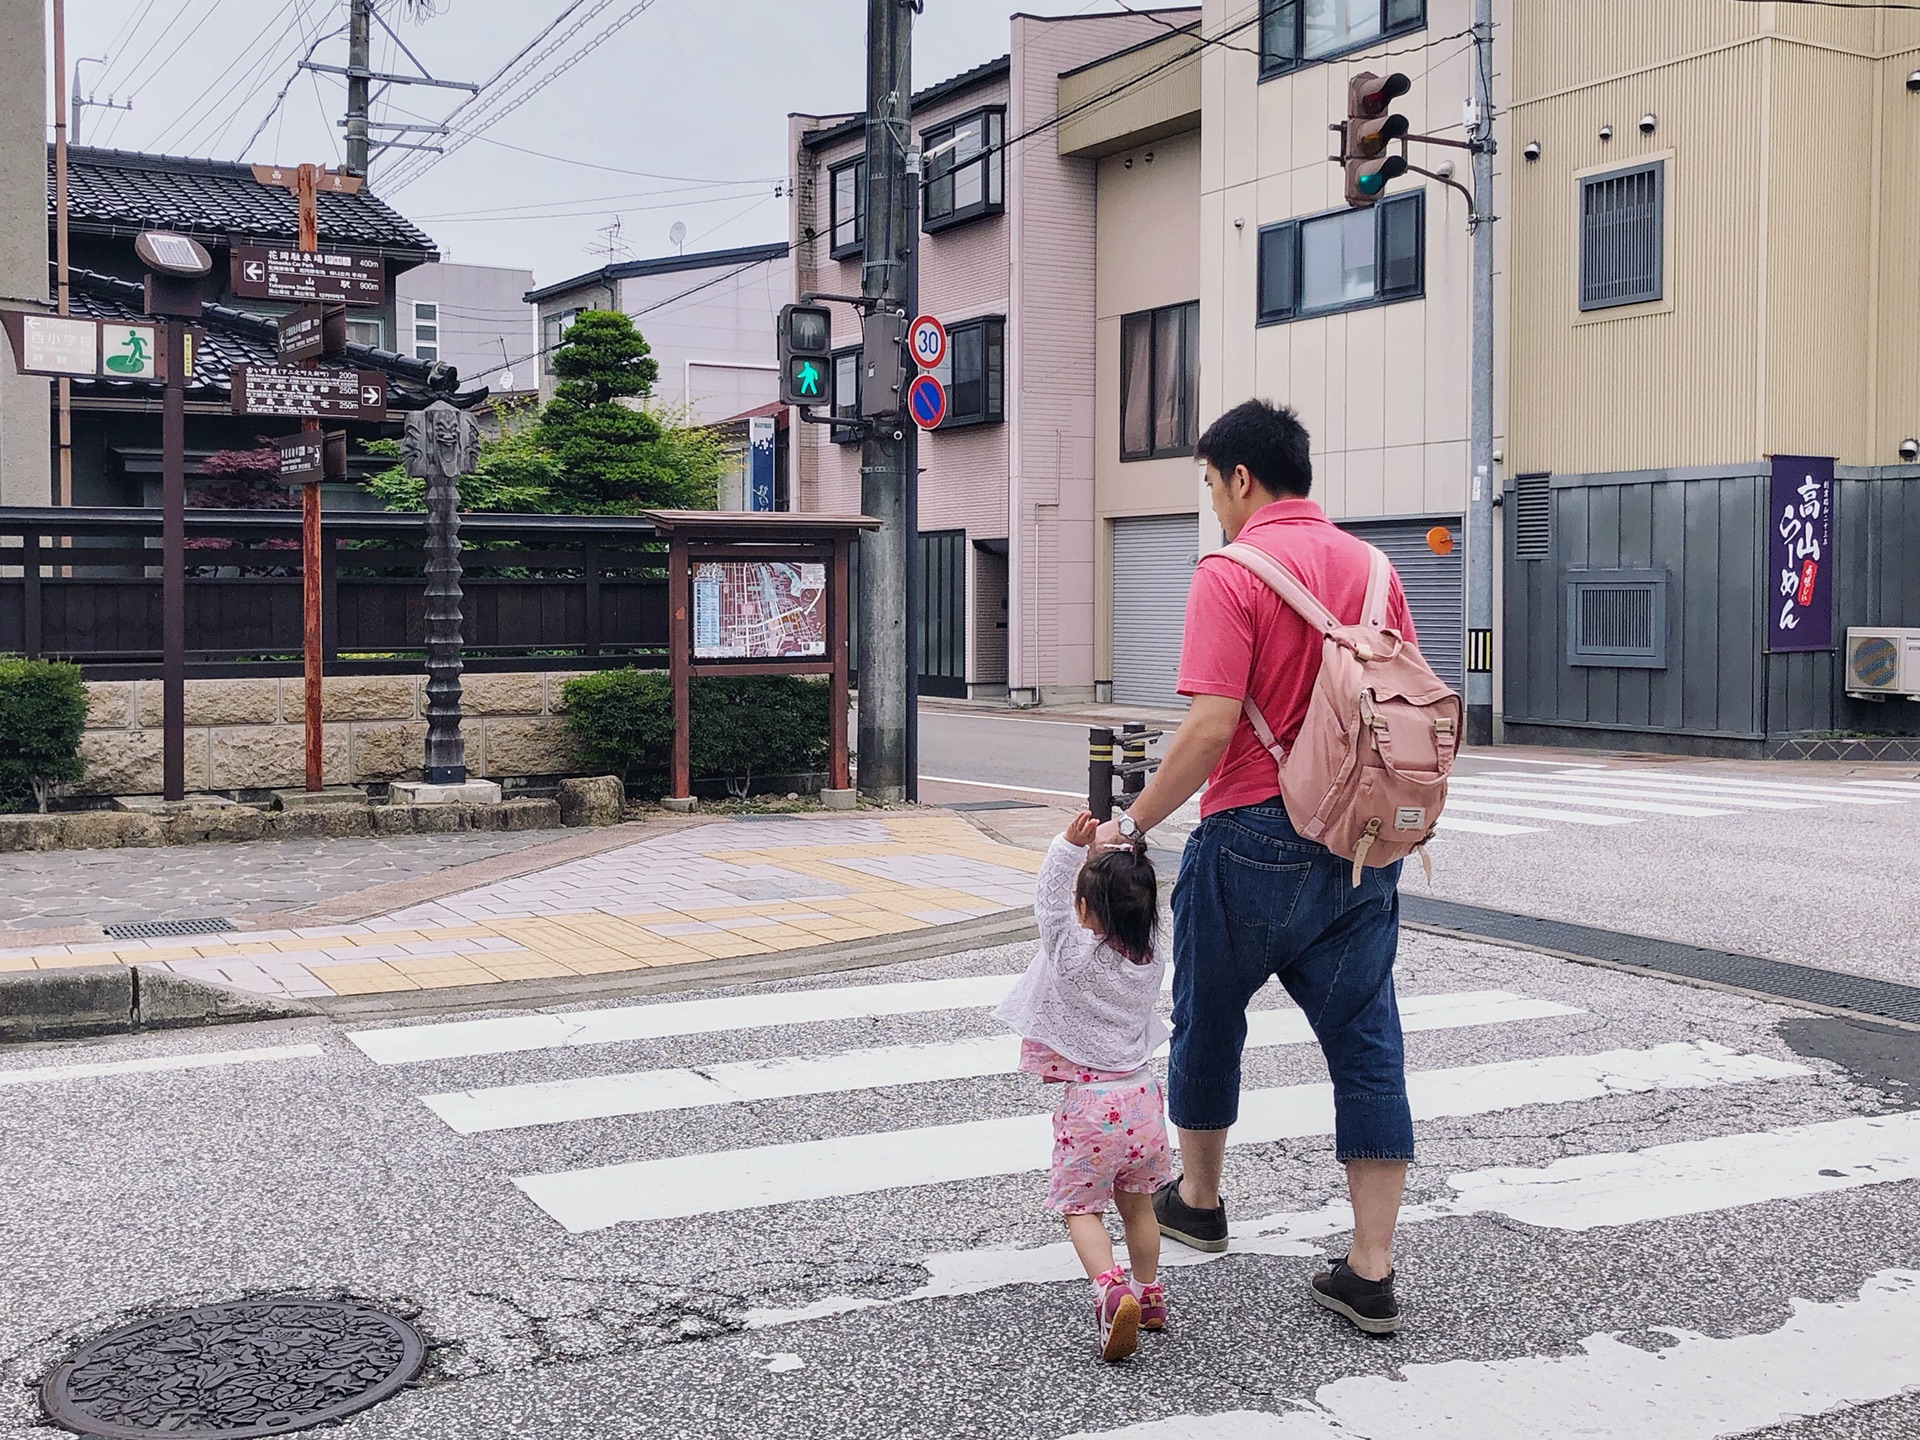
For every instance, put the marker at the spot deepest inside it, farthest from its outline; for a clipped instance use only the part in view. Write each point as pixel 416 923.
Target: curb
pixel 1008 928
pixel 123 999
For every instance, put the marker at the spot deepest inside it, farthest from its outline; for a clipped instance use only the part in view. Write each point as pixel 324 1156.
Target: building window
pixel 1304 32
pixel 1620 241
pixel 366 332
pixel 425 310
pixel 974 372
pixel 553 328
pixel 967 180
pixel 426 330
pixel 846 394
pixel 1344 260
pixel 1159 381
pixel 848 185
pixel 426 352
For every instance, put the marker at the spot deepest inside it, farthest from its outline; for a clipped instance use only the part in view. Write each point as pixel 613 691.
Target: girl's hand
pixel 1080 832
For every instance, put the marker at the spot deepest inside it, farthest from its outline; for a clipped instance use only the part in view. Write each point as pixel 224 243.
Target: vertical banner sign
pixel 760 462
pixel 1800 576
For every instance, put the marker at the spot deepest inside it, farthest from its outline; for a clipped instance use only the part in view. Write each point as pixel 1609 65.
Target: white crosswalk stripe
pixel 1492 795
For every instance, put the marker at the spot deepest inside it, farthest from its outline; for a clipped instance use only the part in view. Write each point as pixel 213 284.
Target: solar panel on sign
pixel 174 250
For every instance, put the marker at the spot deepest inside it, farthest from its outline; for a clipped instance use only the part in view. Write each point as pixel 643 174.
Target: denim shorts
pixel 1255 901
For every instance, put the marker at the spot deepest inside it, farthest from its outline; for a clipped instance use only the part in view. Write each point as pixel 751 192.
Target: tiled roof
pixel 122 191
pixel 235 337
pixel 979 75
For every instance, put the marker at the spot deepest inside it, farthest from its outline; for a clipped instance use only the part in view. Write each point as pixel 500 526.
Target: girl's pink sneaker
pixel 1117 1313
pixel 1153 1306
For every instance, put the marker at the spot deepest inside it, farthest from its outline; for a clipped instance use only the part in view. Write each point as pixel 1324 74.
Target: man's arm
pixel 1195 749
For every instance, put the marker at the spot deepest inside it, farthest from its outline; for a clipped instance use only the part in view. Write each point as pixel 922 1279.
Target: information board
pixel 759 610
pixel 263 272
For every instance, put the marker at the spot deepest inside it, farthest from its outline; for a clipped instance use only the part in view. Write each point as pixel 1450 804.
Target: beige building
pixel 25 469
pixel 1007 260
pixel 1359 319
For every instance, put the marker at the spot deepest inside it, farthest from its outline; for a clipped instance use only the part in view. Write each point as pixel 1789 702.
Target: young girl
pixel 1086 1012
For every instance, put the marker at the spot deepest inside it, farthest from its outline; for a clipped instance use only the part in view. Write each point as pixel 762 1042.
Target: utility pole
pixel 887 452
pixel 1479 698
pixel 359 55
pixel 63 478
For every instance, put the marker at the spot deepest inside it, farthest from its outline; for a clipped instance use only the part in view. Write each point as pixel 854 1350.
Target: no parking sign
pixel 927 401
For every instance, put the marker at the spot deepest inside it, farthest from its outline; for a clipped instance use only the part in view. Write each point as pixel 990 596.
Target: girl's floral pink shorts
pixel 1108 1135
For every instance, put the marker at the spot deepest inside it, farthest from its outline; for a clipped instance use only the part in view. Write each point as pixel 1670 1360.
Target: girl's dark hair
pixel 1122 896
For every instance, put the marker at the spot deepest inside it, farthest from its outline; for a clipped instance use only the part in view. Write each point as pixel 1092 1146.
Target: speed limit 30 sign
pixel 927 338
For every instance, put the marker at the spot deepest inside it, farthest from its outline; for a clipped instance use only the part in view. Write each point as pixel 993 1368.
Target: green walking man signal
pixel 806 354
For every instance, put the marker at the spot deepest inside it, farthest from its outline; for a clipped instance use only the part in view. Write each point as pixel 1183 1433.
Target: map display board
pixel 759 610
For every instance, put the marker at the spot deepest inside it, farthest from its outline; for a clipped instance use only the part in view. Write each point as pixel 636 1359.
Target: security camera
pixel 1649 123
pixel 1444 170
pixel 1606 132
pixel 1531 150
pixel 1913 81
pixel 1910 450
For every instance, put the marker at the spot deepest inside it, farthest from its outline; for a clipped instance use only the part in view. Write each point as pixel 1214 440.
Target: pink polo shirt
pixel 1241 637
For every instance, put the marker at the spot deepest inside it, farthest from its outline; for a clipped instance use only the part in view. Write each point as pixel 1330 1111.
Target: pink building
pixel 1008 262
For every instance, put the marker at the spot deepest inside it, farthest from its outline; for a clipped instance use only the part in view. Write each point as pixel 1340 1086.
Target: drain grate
pixel 234 1371
pixel 156 929
pixel 1830 989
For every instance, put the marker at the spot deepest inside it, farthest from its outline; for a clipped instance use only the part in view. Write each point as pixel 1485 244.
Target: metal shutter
pixel 1434 584
pixel 1153 562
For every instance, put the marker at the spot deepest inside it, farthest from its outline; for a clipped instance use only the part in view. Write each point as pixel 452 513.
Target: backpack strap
pixel 1373 611
pixel 1282 582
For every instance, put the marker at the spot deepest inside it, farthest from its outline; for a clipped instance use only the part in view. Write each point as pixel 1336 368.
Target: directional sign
pixel 311 456
pixel 927 401
pixel 263 272
pixel 285 176
pixel 927 338
pixel 309 393
pixel 311 331
pixel 53 344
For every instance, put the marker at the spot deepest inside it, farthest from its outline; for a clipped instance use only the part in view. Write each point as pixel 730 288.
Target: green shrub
pixel 622 724
pixel 43 709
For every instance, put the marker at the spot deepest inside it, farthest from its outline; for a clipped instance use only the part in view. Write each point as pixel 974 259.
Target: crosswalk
pixel 1508 796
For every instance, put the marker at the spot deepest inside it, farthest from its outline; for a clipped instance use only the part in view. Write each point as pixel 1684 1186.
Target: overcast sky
pixel 694 93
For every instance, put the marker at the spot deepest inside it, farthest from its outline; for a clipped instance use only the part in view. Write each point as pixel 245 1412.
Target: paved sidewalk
pixel 731 888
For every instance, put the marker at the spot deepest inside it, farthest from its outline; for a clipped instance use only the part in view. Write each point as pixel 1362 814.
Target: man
pixel 1254 900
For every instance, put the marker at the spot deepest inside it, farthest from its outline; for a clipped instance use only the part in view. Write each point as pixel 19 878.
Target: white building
pixel 473 317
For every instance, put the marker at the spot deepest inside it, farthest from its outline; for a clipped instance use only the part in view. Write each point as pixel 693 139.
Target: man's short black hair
pixel 1269 440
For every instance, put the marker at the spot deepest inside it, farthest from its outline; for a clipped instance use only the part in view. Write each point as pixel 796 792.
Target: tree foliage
pixel 43 710
pixel 595 449
pixel 241 480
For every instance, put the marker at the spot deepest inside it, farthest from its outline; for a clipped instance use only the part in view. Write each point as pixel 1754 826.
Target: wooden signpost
pixel 326 283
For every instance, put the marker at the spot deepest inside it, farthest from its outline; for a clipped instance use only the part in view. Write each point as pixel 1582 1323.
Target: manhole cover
pixel 226 1372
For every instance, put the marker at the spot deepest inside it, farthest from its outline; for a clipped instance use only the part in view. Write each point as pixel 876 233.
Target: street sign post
pixel 310 332
pixel 310 456
pixel 927 401
pixel 262 272
pixel 927 338
pixel 309 393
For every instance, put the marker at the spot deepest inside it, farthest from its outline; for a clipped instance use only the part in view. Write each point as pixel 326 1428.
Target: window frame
pixel 378 325
pixel 1188 312
pixel 992 160
pixel 428 352
pixel 993 397
pixel 1414 199
pixel 837 248
pixel 1584 185
pixel 558 322
pixel 1272 64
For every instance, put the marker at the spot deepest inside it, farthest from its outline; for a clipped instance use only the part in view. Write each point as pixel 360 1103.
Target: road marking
pixel 1899 787
pixel 1719 786
pixel 1688 1177
pixel 1826 1356
pixel 643 1092
pixel 721 1181
pixel 459 1039
pixel 1630 790
pixel 1532 791
pixel 1551 764
pixel 984 785
pixel 1576 817
pixel 1484 827
pixel 153 1064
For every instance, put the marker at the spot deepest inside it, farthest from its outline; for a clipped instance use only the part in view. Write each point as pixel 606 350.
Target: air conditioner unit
pixel 1883 663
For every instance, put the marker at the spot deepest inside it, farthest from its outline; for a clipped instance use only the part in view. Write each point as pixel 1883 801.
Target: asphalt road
pixel 1811 863
pixel 1639 1211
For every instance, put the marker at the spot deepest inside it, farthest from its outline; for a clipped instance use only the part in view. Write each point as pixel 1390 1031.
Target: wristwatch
pixel 1128 827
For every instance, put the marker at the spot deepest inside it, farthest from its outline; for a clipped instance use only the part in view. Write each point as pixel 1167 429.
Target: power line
pixel 281 98
pixel 587 208
pixel 263 77
pixel 189 119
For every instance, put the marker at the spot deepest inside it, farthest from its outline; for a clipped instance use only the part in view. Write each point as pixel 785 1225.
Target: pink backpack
pixel 1367 775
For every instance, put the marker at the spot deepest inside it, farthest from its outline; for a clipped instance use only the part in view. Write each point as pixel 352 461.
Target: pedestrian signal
pixel 806 354
pixel 1371 127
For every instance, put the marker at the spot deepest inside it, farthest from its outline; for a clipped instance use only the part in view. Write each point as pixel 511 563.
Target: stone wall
pixel 249 734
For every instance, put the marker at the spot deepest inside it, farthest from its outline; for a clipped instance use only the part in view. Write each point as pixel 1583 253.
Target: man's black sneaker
pixel 1201 1229
pixel 1367 1303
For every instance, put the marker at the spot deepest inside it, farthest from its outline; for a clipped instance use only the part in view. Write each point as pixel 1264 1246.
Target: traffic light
pixel 1371 128
pixel 806 355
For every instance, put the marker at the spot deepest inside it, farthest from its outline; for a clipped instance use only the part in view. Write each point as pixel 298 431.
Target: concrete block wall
pixel 249 734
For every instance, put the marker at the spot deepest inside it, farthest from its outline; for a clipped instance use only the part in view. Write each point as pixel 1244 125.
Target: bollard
pixel 1133 755
pixel 1100 773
